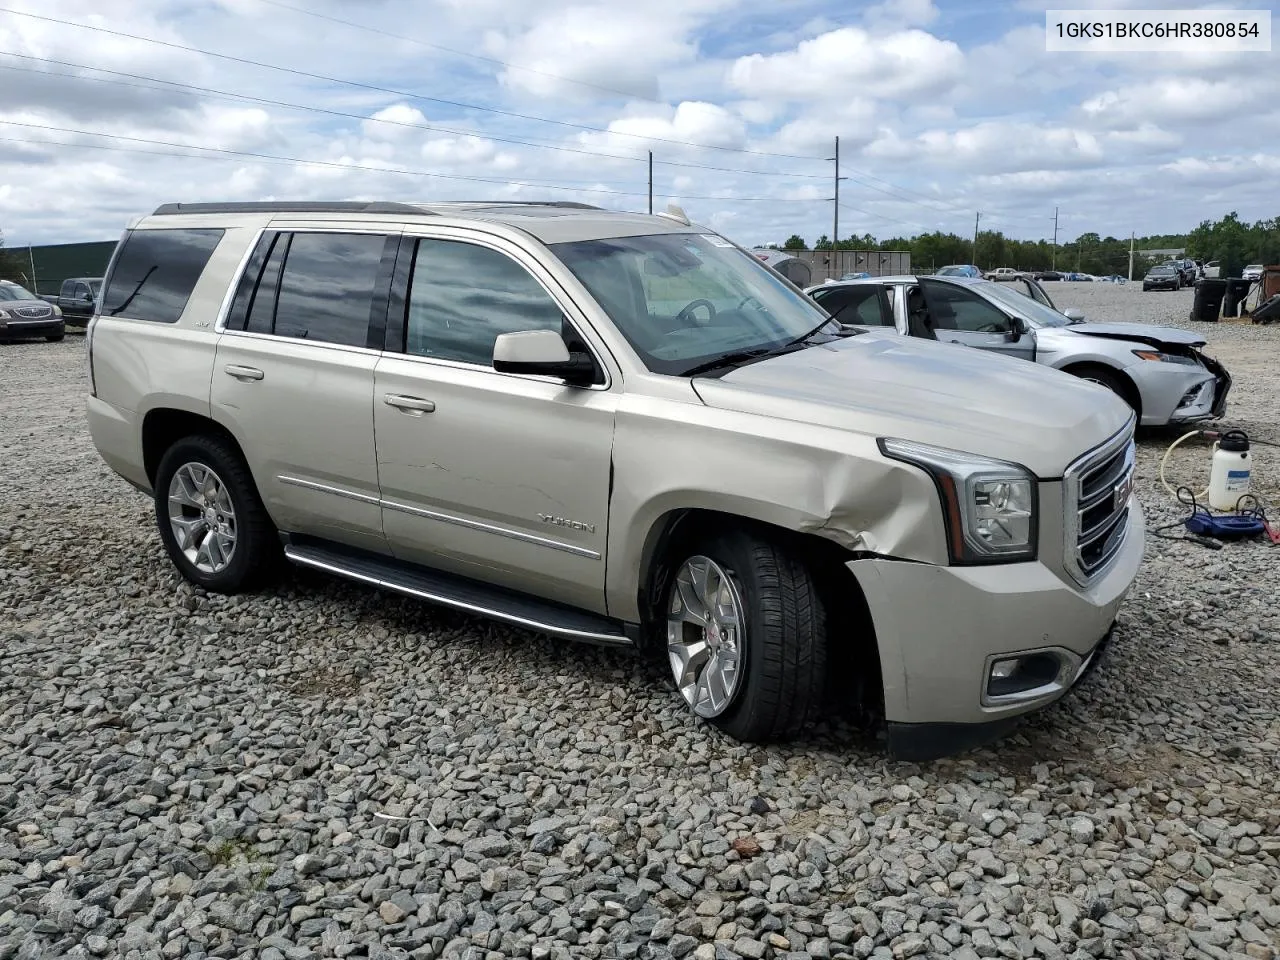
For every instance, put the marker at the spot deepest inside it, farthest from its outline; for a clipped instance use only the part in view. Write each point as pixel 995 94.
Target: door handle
pixel 411 405
pixel 243 373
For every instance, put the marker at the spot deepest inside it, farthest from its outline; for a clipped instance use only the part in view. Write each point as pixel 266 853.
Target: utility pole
pixel 835 207
pixel 31 257
pixel 1053 263
pixel 1131 255
pixel 651 182
pixel 977 217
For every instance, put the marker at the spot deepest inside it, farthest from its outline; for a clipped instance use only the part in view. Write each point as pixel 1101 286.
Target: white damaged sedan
pixel 1159 371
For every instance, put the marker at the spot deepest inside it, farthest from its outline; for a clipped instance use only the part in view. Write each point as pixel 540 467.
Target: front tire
pixel 1105 378
pixel 746 636
pixel 211 519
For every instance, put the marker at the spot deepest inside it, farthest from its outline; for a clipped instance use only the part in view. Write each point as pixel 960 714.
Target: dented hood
pixel 1139 333
pixel 954 397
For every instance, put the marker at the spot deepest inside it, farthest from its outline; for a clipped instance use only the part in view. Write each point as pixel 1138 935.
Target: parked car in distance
pixel 1003 273
pixel 1047 275
pixel 519 404
pixel 1159 371
pixel 953 270
pixel 1114 278
pixel 1213 269
pixel 24 316
pixel 77 297
pixel 1252 272
pixel 1163 277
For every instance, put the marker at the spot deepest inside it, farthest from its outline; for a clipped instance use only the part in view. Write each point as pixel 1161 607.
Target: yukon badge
pixel 571 524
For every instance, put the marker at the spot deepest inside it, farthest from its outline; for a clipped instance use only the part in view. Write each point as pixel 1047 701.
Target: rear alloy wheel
pixel 211 519
pixel 746 637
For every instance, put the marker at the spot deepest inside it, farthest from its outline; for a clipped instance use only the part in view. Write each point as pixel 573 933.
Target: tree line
pixel 1230 240
pixel 1235 244
pixel 1088 253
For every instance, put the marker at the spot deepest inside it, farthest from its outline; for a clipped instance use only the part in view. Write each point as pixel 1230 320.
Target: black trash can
pixel 1208 302
pixel 1237 290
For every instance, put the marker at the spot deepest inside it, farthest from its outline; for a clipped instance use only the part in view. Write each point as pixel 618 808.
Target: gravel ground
pixel 323 771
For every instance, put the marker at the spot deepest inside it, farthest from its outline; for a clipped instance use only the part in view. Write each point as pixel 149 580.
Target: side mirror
pixel 1073 313
pixel 1017 328
pixel 541 353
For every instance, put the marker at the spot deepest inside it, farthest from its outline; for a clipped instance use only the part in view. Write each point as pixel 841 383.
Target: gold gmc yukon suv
pixel 622 429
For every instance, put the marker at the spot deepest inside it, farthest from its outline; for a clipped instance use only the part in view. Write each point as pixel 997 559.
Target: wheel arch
pixel 1132 395
pixel 853 650
pixel 162 427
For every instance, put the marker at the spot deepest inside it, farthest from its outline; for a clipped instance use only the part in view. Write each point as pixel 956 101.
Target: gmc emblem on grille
pixel 1124 490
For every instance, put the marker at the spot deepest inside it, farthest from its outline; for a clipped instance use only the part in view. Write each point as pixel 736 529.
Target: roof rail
pixel 292 206
pixel 352 206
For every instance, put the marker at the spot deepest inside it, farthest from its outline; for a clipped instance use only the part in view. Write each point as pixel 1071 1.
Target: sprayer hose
pixel 1165 460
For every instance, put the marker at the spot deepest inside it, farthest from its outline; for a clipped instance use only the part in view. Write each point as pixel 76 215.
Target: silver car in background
pixel 1159 371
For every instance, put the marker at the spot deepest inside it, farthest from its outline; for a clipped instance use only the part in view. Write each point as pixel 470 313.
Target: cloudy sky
pixel 943 108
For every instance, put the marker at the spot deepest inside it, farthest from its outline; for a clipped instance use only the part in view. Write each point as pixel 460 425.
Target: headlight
pixel 1165 357
pixel 991 506
pixel 4 314
pixel 57 310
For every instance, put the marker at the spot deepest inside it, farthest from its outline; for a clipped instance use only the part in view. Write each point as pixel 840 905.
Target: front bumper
pixel 940 629
pixel 1180 393
pixel 21 329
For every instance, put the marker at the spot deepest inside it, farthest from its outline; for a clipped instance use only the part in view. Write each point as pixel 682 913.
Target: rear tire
pixel 204 492
pixel 777 649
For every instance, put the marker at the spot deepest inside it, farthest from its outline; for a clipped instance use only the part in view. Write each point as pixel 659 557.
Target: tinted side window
pixel 953 308
pixel 327 287
pixel 156 272
pixel 462 296
pixel 262 298
pixel 858 306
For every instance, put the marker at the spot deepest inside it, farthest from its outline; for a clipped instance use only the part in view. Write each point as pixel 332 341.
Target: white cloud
pixel 851 62
pixel 994 146
pixel 947 125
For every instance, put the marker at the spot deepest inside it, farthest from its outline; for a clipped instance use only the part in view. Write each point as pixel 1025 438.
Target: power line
pixel 434 128
pixel 460 53
pixel 400 93
pixel 221 153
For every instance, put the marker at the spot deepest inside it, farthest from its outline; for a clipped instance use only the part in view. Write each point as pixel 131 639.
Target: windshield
pixel 11 291
pixel 1032 310
pixel 683 300
pixel 1161 271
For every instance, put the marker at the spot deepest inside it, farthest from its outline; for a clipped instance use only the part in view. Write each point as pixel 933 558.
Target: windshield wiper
pixel 805 336
pixel 726 360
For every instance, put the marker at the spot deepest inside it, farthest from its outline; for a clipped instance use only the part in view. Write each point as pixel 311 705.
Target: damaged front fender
pixel 818 481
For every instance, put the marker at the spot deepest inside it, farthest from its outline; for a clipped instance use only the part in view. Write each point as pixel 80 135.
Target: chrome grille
pixel 1098 489
pixel 32 313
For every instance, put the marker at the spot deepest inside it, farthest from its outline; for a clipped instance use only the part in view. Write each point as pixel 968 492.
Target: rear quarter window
pixel 156 271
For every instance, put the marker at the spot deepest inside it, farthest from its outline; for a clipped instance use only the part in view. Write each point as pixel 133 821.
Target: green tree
pixel 794 242
pixel 822 243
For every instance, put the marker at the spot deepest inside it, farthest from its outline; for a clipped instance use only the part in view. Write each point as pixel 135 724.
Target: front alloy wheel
pixel 202 517
pixel 705 621
pixel 746 634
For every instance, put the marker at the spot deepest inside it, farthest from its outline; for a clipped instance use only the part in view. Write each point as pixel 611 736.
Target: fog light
pixel 1015 675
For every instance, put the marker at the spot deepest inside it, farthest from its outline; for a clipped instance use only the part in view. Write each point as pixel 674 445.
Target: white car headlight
pixel 1160 357
pixel 991 506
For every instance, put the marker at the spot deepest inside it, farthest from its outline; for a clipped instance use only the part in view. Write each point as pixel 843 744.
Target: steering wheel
pixel 687 313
